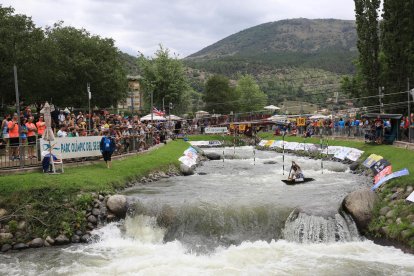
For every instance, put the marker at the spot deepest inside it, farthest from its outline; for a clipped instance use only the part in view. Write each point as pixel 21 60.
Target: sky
pixel 183 26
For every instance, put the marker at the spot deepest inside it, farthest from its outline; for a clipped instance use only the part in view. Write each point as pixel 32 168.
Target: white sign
pixel 215 130
pixel 73 147
pixel 411 197
pixel 205 143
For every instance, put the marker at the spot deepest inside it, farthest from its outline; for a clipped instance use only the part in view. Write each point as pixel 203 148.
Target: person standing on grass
pixel 13 127
pixel 107 147
pixel 31 137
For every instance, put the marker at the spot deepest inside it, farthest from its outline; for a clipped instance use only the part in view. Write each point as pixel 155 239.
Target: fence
pixel 26 156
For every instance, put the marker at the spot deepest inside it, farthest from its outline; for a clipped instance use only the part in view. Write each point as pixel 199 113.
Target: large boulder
pixel 360 205
pixel 118 205
pixel 354 166
pixel 186 170
pixel 62 239
pixel 37 242
pixel 213 156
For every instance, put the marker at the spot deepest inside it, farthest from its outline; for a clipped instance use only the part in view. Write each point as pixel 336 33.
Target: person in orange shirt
pixel 31 137
pixel 13 127
pixel 41 126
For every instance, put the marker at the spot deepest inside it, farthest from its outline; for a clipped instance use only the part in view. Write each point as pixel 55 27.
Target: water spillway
pixel 231 218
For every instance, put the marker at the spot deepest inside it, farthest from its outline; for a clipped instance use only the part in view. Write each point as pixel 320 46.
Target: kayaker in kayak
pixel 296 173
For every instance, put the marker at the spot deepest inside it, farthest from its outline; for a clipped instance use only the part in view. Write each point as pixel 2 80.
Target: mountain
pixel 327 44
pixel 129 63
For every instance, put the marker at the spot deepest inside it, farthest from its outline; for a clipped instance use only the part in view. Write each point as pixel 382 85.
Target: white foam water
pixel 138 250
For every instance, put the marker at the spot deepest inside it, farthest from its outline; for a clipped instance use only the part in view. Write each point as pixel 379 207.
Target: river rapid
pixel 231 218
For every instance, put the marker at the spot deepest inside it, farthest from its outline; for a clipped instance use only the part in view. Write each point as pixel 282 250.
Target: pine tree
pixel 397 42
pixel 366 12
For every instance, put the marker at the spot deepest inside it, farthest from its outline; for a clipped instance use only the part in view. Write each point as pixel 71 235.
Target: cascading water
pixel 236 218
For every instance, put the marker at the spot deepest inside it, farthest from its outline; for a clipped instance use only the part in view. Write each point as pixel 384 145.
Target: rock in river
pixel 37 242
pixel 61 239
pixel 360 205
pixel 118 205
pixel 213 156
pixel 186 170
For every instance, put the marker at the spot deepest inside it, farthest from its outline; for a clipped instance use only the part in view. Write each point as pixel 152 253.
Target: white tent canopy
pixel 318 116
pixel 174 118
pixel 278 118
pixel 155 118
pixel 271 107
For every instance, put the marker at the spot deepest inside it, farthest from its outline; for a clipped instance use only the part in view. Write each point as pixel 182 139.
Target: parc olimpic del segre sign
pixel 73 147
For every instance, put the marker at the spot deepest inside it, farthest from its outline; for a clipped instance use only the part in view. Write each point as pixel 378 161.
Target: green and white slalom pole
pixel 283 154
pixel 321 141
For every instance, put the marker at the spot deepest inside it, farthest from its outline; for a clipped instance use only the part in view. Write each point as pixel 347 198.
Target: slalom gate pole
pixel 223 149
pixel 234 143
pixel 283 156
pixel 321 141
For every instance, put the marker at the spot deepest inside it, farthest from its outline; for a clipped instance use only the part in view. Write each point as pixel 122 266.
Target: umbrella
pixel 278 119
pixel 154 117
pixel 174 117
pixel 271 107
pixel 201 113
pixel 48 134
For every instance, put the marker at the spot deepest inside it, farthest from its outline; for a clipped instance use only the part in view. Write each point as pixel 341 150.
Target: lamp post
pixel 88 88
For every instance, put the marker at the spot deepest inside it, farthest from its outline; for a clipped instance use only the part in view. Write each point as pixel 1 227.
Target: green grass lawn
pixel 398 157
pixel 96 177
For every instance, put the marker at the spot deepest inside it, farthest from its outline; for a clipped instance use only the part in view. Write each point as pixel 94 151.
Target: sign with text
pixel 301 121
pixel 215 130
pixel 73 147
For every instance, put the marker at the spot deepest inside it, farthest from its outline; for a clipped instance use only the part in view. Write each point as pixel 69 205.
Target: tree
pixel 252 98
pixel 164 76
pixel 78 58
pixel 219 96
pixel 366 13
pixel 20 40
pixel 55 64
pixel 397 41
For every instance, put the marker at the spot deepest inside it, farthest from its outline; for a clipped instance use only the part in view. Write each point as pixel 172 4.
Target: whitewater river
pixel 232 218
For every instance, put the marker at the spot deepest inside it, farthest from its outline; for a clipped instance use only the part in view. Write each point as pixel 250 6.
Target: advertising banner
pixel 262 143
pixel 213 143
pixel 379 166
pixel 371 160
pixel 391 176
pixel 269 143
pixel 354 154
pixel 342 153
pixel 73 147
pixel 215 130
pixel 386 171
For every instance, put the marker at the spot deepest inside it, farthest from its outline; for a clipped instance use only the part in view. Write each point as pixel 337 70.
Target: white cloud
pixel 183 26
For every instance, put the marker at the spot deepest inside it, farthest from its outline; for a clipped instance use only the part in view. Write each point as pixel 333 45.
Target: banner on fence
pixel 391 176
pixel 269 143
pixel 73 147
pixel 215 130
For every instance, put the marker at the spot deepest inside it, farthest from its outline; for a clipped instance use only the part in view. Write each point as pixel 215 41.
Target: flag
pixel 157 112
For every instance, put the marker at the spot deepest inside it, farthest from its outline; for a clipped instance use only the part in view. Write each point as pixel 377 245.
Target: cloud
pixel 183 26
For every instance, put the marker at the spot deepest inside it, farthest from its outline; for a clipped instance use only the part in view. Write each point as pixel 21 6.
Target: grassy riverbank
pixel 39 205
pixel 96 177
